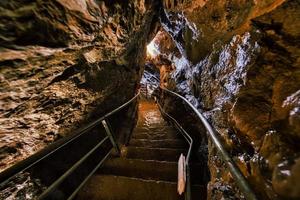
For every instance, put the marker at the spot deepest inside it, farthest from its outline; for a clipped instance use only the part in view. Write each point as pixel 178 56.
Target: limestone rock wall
pixel 62 62
pixel 242 70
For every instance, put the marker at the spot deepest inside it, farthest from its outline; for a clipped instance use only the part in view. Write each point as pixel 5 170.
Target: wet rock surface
pixel 56 57
pixel 64 63
pixel 22 187
pixel 241 70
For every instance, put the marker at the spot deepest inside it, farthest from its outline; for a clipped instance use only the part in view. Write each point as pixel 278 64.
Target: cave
pixel 150 99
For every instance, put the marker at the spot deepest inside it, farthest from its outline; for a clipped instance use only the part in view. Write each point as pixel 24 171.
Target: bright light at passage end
pixel 152 49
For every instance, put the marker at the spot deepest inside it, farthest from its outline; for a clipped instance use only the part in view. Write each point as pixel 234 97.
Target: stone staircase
pixel 147 167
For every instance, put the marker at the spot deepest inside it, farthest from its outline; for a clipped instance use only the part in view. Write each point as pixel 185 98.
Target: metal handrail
pixel 27 163
pixel 233 168
pixel 63 177
pixel 189 140
pixel 87 178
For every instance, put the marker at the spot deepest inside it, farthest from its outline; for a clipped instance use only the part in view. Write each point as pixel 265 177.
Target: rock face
pixel 242 70
pixel 62 62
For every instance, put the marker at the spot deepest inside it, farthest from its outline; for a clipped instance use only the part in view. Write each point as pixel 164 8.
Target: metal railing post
pixel 111 137
pixel 47 193
pixel 188 182
pixel 7 175
pixel 235 171
pixel 189 140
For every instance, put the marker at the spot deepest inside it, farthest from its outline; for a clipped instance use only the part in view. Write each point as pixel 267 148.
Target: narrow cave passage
pixel 149 99
pixel 149 163
pixel 150 160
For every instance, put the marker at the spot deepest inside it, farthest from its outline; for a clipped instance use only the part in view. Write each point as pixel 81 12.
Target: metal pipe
pixel 87 178
pixel 233 168
pixel 188 180
pixel 23 165
pixel 54 185
pixel 189 140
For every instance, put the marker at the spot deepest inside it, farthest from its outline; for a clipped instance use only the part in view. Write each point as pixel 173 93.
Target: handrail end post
pixel 188 182
pixel 111 137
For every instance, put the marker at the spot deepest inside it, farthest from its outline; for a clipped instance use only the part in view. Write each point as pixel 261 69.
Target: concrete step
pixel 166 143
pixel 148 169
pixel 108 187
pixel 160 154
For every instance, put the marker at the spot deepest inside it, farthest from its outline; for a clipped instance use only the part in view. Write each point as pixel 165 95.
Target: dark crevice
pixel 67 73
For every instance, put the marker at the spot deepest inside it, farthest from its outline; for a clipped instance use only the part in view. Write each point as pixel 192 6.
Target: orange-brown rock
pixel 244 76
pixel 63 63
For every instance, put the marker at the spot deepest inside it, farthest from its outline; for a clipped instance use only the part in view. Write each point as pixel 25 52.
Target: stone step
pixel 108 187
pixel 148 169
pixel 166 143
pixel 154 126
pixel 155 129
pixel 156 135
pixel 160 154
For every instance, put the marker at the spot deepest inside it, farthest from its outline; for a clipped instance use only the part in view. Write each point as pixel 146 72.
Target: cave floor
pixel 147 167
